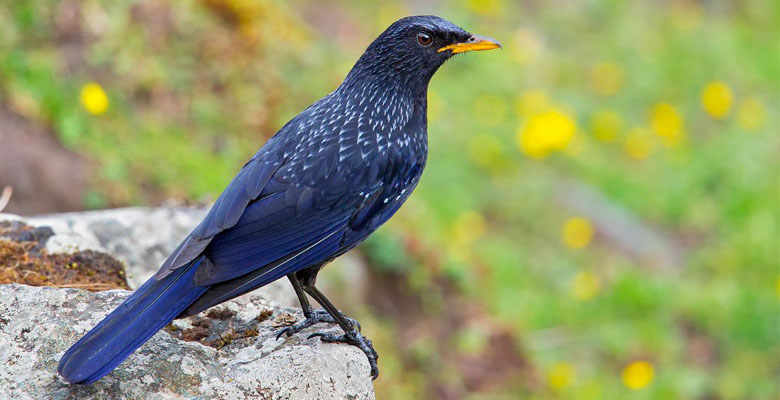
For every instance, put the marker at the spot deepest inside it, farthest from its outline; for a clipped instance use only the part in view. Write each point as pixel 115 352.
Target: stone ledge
pixel 37 325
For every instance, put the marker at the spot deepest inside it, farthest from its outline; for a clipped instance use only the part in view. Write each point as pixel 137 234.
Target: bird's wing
pixel 278 235
pixel 265 216
pixel 225 213
pixel 285 220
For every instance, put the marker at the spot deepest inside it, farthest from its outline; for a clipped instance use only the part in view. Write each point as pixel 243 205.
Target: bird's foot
pixel 317 316
pixel 354 338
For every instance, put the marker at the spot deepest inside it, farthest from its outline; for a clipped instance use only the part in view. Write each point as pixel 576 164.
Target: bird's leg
pixel 351 335
pixel 306 307
pixel 312 316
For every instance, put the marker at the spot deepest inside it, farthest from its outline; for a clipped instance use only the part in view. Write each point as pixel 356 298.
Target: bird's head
pixel 417 46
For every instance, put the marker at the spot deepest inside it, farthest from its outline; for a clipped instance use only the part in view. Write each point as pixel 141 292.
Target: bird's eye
pixel 424 39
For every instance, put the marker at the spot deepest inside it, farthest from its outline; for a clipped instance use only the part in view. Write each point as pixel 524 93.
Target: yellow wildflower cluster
pixel 546 132
pixel 94 98
pixel 638 375
pixel 254 18
pixel 577 232
pixel 716 99
pixel 667 123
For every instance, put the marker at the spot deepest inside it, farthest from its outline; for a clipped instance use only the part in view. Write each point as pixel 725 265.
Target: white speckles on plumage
pixel 372 119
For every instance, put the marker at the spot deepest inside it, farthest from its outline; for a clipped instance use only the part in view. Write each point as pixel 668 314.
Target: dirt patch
pixel 24 259
pixel 264 315
pixel 489 358
pixel 202 327
pixel 45 176
pixel 220 313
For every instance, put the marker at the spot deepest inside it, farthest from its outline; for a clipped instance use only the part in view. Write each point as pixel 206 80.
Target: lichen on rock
pixel 228 352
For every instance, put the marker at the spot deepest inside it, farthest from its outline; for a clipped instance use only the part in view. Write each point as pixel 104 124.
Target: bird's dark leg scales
pixel 303 283
pixel 313 317
pixel 351 335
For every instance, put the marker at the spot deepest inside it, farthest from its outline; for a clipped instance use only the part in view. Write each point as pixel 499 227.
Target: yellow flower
pixel 606 125
pixel 667 123
pixel 585 286
pixel 751 114
pixel 577 232
pixel 639 144
pixel 528 46
pixel 546 132
pixel 532 102
pixel 606 78
pixel 490 110
pixel 94 98
pixel 638 375
pixel 716 99
pixel 561 375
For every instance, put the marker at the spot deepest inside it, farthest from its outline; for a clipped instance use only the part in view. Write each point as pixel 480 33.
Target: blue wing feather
pixel 225 213
pixel 270 230
pixel 317 253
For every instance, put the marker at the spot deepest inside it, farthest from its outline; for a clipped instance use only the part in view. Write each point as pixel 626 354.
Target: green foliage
pixel 194 88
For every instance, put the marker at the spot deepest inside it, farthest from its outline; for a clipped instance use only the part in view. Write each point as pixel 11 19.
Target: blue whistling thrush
pixel 317 188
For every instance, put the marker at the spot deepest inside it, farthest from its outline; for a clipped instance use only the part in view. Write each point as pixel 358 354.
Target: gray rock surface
pixel 37 325
pixel 140 237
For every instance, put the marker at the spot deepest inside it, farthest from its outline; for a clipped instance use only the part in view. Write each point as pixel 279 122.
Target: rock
pixel 228 352
pixel 37 325
pixel 140 237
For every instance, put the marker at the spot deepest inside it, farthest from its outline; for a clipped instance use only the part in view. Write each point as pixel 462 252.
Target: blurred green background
pixel 598 218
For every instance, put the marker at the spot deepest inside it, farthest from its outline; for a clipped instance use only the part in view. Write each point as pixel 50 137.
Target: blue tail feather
pixel 146 311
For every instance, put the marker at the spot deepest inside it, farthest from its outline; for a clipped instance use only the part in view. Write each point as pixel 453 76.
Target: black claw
pixel 316 317
pixel 286 331
pixel 356 339
pixel 355 324
pixel 319 334
pixel 353 337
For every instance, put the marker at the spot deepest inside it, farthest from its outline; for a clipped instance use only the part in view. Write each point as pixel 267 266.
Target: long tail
pixel 149 309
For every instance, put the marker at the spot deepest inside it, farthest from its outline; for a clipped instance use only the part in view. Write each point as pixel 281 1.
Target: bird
pixel 318 187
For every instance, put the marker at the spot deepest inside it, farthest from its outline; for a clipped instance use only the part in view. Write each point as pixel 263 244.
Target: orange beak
pixel 474 43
